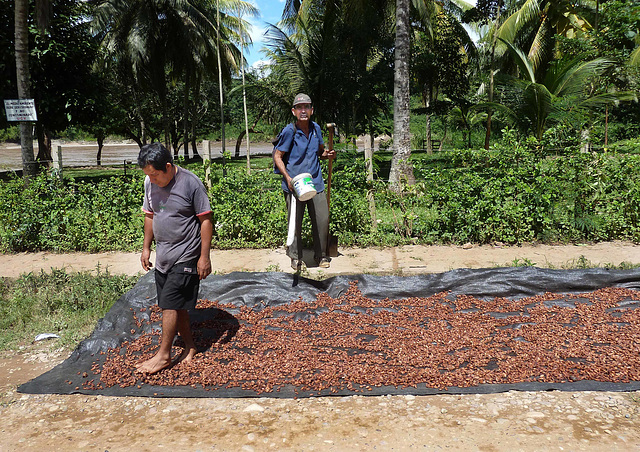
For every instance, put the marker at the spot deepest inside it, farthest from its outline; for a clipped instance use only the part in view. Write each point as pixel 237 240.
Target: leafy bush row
pixel 509 194
pixel 71 216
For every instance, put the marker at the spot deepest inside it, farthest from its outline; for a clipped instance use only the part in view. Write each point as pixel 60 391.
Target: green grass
pixel 67 304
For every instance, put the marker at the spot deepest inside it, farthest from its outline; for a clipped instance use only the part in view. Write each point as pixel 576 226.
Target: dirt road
pixel 527 421
pixel 404 260
pixel 81 154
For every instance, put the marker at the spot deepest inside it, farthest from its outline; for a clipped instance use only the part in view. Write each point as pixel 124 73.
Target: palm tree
pixel 533 25
pixel 569 87
pixel 401 168
pixel 440 62
pixel 161 38
pixel 536 23
pixel 467 116
pixel 494 41
pixel 336 55
pixel 307 54
pixel 22 71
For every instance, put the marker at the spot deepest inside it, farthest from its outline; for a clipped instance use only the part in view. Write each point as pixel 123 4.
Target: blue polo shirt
pixel 301 153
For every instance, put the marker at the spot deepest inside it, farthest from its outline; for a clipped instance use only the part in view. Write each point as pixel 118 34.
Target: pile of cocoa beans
pixel 356 343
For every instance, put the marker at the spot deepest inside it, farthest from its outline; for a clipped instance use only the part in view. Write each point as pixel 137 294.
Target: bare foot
pixel 153 365
pixel 186 355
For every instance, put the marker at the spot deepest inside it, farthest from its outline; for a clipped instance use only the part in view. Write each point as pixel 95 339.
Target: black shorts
pixel 178 288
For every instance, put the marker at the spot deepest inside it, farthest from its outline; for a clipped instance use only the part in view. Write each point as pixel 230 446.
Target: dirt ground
pixel 84 153
pixel 511 421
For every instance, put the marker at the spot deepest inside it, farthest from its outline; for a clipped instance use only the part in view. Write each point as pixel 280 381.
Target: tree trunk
pixel 29 168
pixel 427 134
pixel 606 126
pixel 242 135
pixel 44 146
pixel 194 117
pixel 368 153
pixel 401 169
pixel 487 135
pixel 142 138
pixel 494 42
pixel 166 121
pixel 444 136
pixel 427 97
pixel 222 137
pixel 585 139
pixel 100 139
pixel 134 137
pixel 244 103
pixel 185 119
pixel 371 137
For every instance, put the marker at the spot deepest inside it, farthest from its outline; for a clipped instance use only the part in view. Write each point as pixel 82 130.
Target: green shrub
pixel 11 133
pixel 71 216
pixel 248 210
pixel 510 193
pixel 629 146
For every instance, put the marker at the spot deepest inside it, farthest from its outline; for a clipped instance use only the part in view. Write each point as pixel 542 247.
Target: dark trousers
pixel 319 216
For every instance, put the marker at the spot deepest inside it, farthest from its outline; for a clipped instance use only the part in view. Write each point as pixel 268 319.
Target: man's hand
pixel 328 154
pixel 290 183
pixel 204 267
pixel 144 260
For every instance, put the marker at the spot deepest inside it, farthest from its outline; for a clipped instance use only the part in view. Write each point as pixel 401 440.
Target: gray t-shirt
pixel 175 209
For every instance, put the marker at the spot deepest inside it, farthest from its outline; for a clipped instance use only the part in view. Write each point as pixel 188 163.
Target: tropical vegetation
pixel 510 120
pixel 510 194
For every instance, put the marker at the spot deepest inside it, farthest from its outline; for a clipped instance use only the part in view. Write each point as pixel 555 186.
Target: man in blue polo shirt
pixel 298 150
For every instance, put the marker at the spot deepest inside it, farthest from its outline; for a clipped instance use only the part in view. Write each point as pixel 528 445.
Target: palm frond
pixel 570 78
pixel 602 100
pixel 498 107
pixel 540 45
pixel 634 59
pixel 514 23
pixel 522 61
pixel 538 104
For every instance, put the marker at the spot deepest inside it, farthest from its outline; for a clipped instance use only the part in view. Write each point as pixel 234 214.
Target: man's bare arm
pixel 279 163
pixel 206 234
pixel 148 240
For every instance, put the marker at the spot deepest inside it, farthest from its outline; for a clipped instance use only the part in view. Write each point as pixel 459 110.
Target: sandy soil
pixel 527 421
pixel 404 260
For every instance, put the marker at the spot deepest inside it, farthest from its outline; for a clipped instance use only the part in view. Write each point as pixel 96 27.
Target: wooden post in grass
pixel 368 158
pixel 56 155
pixel 206 160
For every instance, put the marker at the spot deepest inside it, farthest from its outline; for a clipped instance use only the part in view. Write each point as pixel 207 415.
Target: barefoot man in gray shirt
pixel 178 217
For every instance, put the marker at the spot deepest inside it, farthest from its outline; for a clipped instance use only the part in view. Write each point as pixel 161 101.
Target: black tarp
pixel 257 290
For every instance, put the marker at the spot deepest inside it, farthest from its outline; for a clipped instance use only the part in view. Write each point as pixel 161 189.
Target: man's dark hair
pixel 156 155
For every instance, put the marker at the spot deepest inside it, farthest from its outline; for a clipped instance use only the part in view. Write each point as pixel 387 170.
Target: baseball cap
pixel 301 99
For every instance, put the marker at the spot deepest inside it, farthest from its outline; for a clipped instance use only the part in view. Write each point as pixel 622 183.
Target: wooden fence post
pixel 56 154
pixel 206 160
pixel 368 158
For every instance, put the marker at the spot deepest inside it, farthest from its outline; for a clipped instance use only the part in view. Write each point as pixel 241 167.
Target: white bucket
pixel 303 187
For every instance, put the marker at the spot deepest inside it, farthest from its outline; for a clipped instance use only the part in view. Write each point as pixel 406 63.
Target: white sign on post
pixel 20 110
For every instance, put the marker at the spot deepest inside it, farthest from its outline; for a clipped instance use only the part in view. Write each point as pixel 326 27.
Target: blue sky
pixel 270 12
